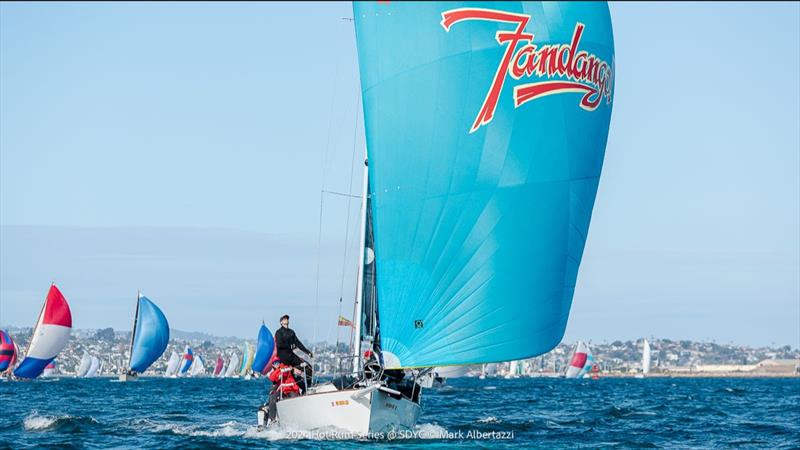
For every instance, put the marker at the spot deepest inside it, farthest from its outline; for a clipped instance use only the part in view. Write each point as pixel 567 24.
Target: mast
pixel 133 330
pixel 360 282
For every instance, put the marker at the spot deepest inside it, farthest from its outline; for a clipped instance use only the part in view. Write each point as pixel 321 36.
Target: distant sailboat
pixel 50 370
pixel 149 337
pixel 245 359
pixel 646 358
pixel 247 363
pixel 587 366
pixel 50 335
pixel 83 367
pixel 265 348
pixel 578 360
pixel 198 367
pixel 219 366
pixel 8 353
pixel 188 358
pixel 233 365
pixel 93 368
pixel 172 365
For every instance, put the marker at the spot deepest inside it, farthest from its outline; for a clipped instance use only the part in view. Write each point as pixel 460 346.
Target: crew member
pixel 283 386
pixel 286 341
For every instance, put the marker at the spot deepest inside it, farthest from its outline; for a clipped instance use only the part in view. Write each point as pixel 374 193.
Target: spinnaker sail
pixel 8 351
pixel 188 358
pixel 265 347
pixel 245 359
pixel 50 335
pixel 486 130
pixel 578 360
pixel 219 366
pixel 150 335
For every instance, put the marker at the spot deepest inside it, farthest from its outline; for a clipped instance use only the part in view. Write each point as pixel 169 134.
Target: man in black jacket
pixel 286 341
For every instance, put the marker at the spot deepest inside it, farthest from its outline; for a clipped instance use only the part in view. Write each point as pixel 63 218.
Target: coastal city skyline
pixel 189 165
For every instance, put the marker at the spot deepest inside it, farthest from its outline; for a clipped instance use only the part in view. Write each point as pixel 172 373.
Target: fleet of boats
pixel 149 340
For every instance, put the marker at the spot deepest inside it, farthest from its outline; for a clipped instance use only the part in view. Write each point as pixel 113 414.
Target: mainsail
pixel 578 360
pixel 188 357
pixel 264 349
pixel 150 335
pixel 646 358
pixel 198 366
pixel 8 351
pixel 83 367
pixel 50 335
pixel 233 364
pixel 172 364
pixel 480 222
pixel 93 367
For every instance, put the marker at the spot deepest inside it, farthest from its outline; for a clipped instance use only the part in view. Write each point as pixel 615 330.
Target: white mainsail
pixel 646 358
pixel 198 367
pixel 95 365
pixel 233 364
pixel 86 362
pixel 172 364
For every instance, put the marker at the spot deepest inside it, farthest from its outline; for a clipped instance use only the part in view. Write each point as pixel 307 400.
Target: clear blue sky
pixel 179 149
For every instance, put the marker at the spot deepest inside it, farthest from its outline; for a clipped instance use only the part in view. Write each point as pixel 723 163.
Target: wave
pixel 489 419
pixel 278 433
pixel 36 422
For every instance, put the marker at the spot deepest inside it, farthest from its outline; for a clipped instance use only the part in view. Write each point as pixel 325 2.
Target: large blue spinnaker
pixel 264 349
pixel 151 335
pixel 486 126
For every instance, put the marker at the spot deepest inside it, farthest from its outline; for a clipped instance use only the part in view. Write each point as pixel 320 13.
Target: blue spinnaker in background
pixel 486 126
pixel 151 335
pixel 264 349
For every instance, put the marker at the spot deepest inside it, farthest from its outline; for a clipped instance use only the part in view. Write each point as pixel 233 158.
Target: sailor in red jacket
pixel 283 386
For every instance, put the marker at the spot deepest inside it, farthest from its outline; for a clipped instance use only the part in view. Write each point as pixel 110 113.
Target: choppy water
pixel 204 413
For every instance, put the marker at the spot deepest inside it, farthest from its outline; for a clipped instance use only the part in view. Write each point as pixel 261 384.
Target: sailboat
pixel 8 353
pixel 587 366
pixel 50 370
pixel 83 367
pixel 265 349
pixel 94 367
pixel 219 367
pixel 50 335
pixel 149 338
pixel 188 358
pixel 645 359
pixel 248 362
pixel 173 364
pixel 577 361
pixel 233 363
pixel 472 228
pixel 198 367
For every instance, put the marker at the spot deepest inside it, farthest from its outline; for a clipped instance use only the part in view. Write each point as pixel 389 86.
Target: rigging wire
pixel 321 200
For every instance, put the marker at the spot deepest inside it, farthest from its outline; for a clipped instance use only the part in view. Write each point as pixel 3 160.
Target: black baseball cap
pixel 285 316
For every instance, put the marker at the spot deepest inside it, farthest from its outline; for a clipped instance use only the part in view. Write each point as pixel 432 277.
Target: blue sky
pixel 179 149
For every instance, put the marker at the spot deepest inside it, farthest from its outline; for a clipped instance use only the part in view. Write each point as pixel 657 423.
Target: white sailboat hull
pixel 375 412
